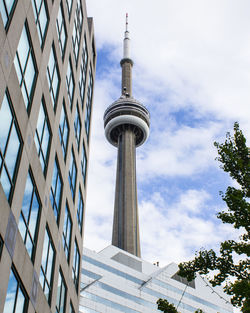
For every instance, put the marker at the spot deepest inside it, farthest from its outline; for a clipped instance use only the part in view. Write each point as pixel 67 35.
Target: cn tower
pixel 126 124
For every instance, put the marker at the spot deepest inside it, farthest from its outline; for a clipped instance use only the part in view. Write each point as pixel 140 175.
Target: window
pixel 89 103
pixel 56 191
pixel 80 210
pixel 77 30
pixel 43 137
pixel 93 52
pixel 1 246
pixel 72 174
pixel 67 230
pixel 41 18
pixel 29 217
pixel 84 163
pixel 16 299
pixel 25 66
pixel 47 266
pixel 78 127
pixel 69 6
pixel 64 131
pixel 7 8
pixel 71 308
pixel 10 146
pixel 61 294
pixel 83 71
pixel 53 77
pixel 61 30
pixel 76 266
pixel 70 83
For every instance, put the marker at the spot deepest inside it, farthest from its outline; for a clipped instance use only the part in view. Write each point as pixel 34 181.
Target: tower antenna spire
pixel 126 41
pixel 126 63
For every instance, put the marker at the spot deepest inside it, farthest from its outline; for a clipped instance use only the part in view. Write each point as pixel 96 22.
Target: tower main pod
pixel 126 123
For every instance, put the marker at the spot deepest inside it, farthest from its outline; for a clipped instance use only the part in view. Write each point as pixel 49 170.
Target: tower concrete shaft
pixel 126 123
pixel 125 224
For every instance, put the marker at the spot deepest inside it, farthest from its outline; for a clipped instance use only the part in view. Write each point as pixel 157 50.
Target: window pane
pixel 29 218
pixel 67 229
pixel 26 67
pixel 80 210
pixel 43 137
pixel 64 131
pixel 56 191
pixel 10 146
pixel 69 6
pixel 53 77
pixel 61 294
pixel 41 18
pixel 76 265
pixel 70 83
pixel 61 30
pixel 84 163
pixel 77 30
pixel 16 301
pixel 72 175
pixel 78 127
pixel 83 71
pixel 47 266
pixel 89 103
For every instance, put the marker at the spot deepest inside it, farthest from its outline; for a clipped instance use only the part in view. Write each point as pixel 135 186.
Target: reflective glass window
pixel 83 71
pixel 112 270
pixel 71 308
pixel 70 83
pixel 29 217
pixel 76 266
pixel 69 6
pixel 10 146
pixel 117 306
pixel 16 299
pixel 1 246
pixel 88 108
pixel 64 130
pixel 80 208
pixel 47 266
pixel 61 30
pixel 77 127
pixel 84 163
pixel 53 77
pixel 41 18
pixel 67 230
pixel 7 8
pixel 43 137
pixel 61 294
pixel 77 29
pixel 25 66
pixel 56 191
pixel 72 174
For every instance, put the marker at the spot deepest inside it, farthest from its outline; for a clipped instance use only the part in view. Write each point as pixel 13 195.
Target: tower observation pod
pixel 126 124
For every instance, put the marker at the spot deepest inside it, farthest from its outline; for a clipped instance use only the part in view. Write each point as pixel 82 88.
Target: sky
pixel 192 71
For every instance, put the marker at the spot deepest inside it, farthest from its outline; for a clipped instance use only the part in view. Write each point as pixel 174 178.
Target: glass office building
pixel 114 280
pixel 47 73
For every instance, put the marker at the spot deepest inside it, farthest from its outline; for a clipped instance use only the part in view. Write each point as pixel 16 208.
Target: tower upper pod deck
pixel 126 111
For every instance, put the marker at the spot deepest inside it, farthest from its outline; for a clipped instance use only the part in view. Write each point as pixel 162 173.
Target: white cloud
pixel 192 61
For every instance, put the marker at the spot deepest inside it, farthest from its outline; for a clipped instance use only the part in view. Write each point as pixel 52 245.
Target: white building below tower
pixel 114 280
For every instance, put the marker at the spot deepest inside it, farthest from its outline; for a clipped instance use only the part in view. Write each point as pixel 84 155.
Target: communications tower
pixel 126 123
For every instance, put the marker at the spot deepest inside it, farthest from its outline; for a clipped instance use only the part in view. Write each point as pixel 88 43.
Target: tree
pixel 235 159
pixel 166 307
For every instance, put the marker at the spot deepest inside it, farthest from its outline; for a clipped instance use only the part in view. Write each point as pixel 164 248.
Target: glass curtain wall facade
pixel 116 281
pixel 46 67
